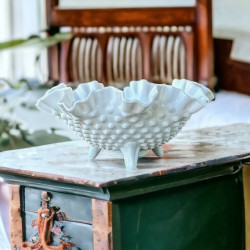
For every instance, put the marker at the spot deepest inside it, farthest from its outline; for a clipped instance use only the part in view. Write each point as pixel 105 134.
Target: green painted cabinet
pixel 208 215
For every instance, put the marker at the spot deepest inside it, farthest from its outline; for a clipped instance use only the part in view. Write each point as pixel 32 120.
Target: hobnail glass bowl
pixel 143 116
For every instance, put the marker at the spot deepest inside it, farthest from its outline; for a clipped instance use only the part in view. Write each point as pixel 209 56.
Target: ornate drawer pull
pixel 47 225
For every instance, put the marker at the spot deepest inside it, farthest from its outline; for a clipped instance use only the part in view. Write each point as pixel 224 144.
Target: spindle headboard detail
pixel 115 46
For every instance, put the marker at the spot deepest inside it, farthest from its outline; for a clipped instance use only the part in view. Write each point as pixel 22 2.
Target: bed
pixel 117 45
pixel 129 44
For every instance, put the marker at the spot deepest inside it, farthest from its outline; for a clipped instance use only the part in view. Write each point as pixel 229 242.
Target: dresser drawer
pixel 71 222
pixel 76 207
pixel 80 234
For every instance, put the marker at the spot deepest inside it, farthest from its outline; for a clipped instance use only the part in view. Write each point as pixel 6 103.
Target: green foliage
pixel 36 41
pixel 13 136
pixel 42 137
pixel 11 44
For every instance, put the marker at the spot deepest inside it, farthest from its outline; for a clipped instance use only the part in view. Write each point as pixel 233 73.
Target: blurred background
pixel 22 18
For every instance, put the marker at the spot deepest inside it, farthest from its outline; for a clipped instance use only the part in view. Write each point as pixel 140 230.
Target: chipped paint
pixel 68 162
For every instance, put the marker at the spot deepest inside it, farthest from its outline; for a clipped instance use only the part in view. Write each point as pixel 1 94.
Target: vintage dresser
pixel 191 198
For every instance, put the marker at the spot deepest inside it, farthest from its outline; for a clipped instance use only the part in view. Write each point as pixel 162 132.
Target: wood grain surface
pixel 68 162
pixel 15 216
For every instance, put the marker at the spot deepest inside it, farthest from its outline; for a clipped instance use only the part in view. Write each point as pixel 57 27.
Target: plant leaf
pixel 35 41
pixel 11 44
pixel 42 137
pixel 14 143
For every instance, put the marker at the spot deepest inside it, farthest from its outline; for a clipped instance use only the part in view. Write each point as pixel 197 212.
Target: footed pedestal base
pixel 130 152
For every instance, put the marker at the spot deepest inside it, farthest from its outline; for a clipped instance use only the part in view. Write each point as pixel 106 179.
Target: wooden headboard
pixel 117 45
pixel 232 75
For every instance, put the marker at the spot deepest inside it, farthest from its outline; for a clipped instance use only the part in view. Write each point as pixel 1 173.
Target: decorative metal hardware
pixel 50 233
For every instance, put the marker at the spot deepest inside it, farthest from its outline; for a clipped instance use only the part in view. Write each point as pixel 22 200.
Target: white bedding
pixel 228 108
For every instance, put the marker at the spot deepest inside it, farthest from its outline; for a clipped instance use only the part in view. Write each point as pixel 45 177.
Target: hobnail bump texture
pixel 143 116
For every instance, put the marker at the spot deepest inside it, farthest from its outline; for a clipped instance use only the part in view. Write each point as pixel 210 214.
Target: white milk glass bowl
pixel 141 117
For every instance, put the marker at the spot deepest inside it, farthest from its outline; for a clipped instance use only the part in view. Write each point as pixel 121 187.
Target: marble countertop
pixel 67 162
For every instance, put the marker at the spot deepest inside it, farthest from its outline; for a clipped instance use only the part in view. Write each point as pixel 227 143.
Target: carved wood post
pixel 190 70
pixel 102 224
pixel 53 55
pixel 146 41
pixel 204 42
